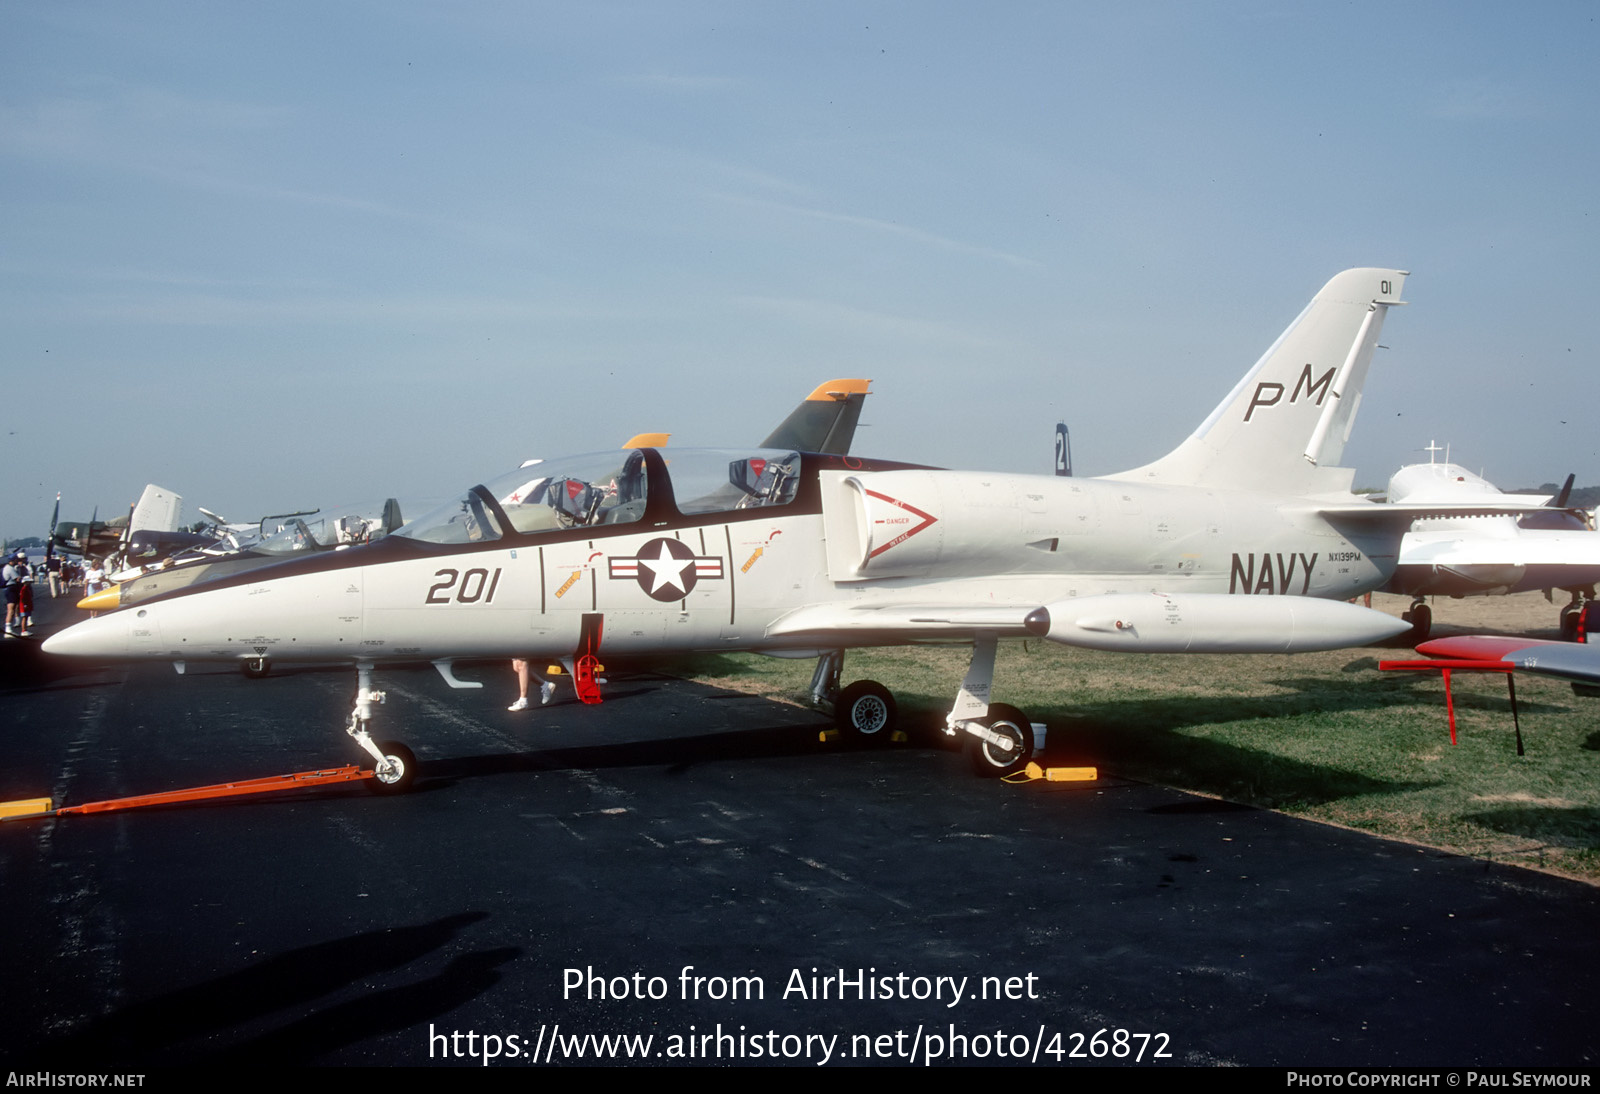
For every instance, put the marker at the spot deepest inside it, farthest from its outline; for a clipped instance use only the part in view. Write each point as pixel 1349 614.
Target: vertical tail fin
pixel 157 510
pixel 1285 424
pixel 391 516
pixel 825 421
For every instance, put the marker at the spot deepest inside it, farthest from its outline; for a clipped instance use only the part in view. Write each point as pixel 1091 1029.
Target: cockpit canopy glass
pixel 574 492
pixel 722 480
pixel 292 535
pixel 467 519
pixel 608 488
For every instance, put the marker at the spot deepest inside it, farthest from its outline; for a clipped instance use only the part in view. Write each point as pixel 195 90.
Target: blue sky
pixel 274 256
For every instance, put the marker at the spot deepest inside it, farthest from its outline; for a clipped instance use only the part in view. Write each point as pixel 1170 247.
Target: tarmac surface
pixel 545 858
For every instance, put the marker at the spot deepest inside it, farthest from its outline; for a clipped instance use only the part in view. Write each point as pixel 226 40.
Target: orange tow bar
pixel 40 807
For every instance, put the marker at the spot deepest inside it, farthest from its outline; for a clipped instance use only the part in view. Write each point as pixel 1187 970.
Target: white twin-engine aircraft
pixel 1246 538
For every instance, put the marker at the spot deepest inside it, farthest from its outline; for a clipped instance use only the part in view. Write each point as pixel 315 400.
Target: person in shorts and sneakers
pixel 546 687
pixel 16 576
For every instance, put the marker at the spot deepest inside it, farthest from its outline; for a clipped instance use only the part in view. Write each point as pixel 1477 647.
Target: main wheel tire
pixel 866 711
pixel 400 780
pixel 992 761
pixel 255 667
pixel 1421 620
pixel 1569 622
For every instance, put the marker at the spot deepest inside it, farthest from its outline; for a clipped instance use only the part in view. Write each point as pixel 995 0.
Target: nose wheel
pixel 395 766
pixel 397 771
pixel 1006 746
pixel 999 738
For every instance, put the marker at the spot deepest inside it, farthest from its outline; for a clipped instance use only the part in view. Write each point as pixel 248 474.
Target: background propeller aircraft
pixel 151 523
pixel 1246 538
pixel 218 558
pixel 1494 555
pixel 93 538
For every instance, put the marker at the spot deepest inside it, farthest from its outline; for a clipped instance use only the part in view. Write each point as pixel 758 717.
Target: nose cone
pixel 1038 622
pixel 106 600
pixel 103 637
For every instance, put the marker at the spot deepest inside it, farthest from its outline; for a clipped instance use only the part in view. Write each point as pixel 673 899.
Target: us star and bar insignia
pixel 666 569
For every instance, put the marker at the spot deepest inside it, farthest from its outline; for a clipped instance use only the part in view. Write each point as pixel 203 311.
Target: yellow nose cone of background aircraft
pixel 106 600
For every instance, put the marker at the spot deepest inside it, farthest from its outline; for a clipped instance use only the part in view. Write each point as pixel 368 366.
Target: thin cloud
pixel 916 235
pixel 1480 100
pixel 678 82
pixel 815 312
pixel 177 140
pixel 190 309
pixel 120 120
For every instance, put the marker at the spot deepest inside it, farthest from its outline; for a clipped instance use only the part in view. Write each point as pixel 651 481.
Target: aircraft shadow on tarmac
pixel 676 754
pixel 1100 737
pixel 1140 734
pixel 1109 735
pixel 174 1028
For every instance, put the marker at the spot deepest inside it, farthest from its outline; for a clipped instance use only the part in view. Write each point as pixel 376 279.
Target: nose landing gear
pixel 396 767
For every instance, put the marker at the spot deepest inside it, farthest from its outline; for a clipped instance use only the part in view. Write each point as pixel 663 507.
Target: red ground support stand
pixel 1445 668
pixel 583 679
pixel 584 664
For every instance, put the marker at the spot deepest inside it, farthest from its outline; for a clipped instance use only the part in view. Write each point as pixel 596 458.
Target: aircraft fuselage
pixel 856 538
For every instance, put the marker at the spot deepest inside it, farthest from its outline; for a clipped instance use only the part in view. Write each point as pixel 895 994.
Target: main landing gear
pixel 1573 611
pixel 865 712
pixel 396 767
pixel 999 738
pixel 1420 616
pixel 1421 619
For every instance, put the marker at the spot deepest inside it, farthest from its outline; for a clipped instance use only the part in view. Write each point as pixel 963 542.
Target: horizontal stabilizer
pixel 1505 505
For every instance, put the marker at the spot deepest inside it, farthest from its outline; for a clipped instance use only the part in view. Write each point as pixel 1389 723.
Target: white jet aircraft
pixel 1492 555
pixel 1246 538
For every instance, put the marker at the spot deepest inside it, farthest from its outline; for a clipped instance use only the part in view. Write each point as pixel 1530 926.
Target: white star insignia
pixel 667 570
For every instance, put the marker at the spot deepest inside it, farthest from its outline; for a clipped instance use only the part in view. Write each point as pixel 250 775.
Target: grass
pixel 1322 736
